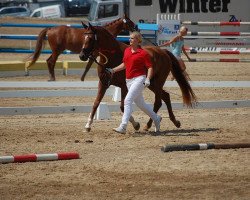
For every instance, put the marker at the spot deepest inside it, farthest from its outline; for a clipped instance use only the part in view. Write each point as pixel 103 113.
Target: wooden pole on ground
pixel 203 146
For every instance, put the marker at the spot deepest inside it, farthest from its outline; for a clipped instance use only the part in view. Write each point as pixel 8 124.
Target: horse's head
pixel 90 40
pixel 97 38
pixel 128 24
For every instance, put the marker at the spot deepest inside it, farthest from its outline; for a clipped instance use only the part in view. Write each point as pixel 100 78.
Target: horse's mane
pixel 111 23
pixel 105 31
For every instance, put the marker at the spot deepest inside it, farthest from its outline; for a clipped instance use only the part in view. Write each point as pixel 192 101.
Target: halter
pixel 106 77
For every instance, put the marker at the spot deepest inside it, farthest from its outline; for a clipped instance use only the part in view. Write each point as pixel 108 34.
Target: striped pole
pixel 203 146
pixel 218 60
pixel 219 33
pixel 217 50
pixel 39 157
pixel 215 23
pixel 194 51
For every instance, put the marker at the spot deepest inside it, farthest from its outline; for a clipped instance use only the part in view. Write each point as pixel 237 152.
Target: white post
pixel 103 112
pixel 117 95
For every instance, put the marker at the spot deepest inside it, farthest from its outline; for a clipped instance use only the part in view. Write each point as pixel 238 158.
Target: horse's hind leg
pixel 89 64
pixel 166 99
pixel 51 61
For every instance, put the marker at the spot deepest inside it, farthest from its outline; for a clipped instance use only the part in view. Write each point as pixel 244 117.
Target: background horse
pixel 64 37
pixel 97 38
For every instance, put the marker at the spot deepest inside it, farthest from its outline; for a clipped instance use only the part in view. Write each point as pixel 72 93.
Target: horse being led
pixel 64 37
pixel 97 38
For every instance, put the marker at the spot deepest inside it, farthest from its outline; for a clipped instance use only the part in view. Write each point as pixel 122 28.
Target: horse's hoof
pixel 26 74
pixel 51 80
pixel 177 124
pixel 137 126
pixel 87 129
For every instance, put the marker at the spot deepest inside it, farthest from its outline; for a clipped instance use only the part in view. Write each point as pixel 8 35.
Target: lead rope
pixel 104 81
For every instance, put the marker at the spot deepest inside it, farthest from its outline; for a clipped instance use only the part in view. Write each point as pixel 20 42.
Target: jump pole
pixel 194 51
pixel 215 23
pixel 219 33
pixel 218 60
pixel 203 146
pixel 39 157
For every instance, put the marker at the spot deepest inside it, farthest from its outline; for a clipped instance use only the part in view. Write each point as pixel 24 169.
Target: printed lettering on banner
pixel 167 28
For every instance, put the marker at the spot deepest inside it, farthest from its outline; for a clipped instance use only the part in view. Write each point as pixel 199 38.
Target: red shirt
pixel 136 63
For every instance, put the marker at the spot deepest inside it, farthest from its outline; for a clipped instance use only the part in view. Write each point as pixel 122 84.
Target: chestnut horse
pixel 97 38
pixel 64 37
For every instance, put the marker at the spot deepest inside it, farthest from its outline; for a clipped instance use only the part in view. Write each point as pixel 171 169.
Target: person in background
pixel 177 43
pixel 139 71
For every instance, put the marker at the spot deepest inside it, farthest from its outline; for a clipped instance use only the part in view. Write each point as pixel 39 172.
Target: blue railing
pixel 121 38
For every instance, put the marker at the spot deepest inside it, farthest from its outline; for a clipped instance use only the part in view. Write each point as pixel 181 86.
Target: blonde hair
pixel 137 35
pixel 183 28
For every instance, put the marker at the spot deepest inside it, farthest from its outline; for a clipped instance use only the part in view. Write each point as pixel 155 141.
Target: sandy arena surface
pixel 130 166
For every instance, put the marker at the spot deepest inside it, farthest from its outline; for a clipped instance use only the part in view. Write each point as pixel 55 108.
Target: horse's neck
pixel 115 28
pixel 118 47
pixel 114 53
pixel 122 46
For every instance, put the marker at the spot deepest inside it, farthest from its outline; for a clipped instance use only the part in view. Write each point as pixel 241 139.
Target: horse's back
pixel 160 59
pixel 155 49
pixel 64 31
pixel 65 37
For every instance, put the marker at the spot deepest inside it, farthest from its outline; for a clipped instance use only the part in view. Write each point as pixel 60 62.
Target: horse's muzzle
pixel 83 56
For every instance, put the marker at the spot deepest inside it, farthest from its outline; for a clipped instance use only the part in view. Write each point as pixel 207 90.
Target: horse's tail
pixel 188 95
pixel 39 46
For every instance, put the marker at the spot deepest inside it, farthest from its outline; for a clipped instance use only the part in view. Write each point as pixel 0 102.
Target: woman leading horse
pixel 99 39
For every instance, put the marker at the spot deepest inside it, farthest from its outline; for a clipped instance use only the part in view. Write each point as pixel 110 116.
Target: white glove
pixel 147 83
pixel 111 71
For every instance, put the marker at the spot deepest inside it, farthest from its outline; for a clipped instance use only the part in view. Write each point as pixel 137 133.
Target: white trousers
pixel 135 88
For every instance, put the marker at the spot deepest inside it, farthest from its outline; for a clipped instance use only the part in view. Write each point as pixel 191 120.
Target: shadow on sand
pixel 178 132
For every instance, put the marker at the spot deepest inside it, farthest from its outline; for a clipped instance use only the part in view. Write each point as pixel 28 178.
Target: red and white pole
pixel 39 157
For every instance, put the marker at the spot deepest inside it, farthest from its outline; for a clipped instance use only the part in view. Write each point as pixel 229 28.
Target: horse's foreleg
pixel 51 61
pixel 166 99
pixel 157 106
pixel 89 122
pixel 89 64
pixel 101 92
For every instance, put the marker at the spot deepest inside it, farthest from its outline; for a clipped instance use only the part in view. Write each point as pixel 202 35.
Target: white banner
pixel 169 26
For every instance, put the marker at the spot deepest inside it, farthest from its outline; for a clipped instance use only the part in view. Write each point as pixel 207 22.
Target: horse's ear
pixel 90 25
pixel 84 25
pixel 125 16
